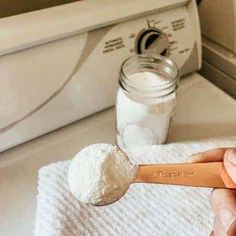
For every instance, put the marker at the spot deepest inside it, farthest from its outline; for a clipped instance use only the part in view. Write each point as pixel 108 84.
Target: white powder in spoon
pixel 100 174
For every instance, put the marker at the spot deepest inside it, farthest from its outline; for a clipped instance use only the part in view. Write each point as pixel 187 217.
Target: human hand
pixel 222 201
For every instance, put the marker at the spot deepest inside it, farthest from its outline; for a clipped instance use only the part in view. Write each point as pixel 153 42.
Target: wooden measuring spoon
pixel 211 174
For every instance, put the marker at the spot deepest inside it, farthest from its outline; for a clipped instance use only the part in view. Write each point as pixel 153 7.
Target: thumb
pixel 230 163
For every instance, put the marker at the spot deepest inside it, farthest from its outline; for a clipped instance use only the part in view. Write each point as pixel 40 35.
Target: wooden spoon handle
pixel 210 174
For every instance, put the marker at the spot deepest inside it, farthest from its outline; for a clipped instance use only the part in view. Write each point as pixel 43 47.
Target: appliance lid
pixel 38 27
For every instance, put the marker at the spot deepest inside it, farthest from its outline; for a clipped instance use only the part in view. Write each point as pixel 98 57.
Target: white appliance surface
pixel 65 62
pixel 203 111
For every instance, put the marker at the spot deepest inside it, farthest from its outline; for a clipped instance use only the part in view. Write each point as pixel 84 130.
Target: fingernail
pixel 226 218
pixel 194 158
pixel 232 156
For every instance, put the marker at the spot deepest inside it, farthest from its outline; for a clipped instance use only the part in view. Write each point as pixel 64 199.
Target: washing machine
pixel 218 24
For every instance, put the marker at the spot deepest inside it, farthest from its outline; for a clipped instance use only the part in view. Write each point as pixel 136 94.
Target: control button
pixel 152 40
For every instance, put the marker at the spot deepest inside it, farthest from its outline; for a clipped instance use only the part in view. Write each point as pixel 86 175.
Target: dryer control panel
pixel 168 33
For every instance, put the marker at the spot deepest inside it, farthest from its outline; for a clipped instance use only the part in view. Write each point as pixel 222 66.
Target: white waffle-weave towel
pixel 146 209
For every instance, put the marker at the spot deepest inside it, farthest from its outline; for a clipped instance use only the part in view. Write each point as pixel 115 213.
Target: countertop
pixel 203 111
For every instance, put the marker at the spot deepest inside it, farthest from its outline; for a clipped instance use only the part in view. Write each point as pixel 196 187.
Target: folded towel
pixel 146 209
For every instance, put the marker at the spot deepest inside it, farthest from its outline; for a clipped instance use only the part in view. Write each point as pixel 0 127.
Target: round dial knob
pixel 152 40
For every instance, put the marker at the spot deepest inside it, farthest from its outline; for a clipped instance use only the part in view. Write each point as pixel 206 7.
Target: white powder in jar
pixel 141 120
pixel 100 174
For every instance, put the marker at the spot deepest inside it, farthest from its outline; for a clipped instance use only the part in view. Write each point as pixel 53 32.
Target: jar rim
pixel 152 59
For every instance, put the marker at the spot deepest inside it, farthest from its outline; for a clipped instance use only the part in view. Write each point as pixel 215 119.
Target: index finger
pixel 208 156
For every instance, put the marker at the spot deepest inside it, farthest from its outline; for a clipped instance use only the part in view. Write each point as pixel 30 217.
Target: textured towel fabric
pixel 146 209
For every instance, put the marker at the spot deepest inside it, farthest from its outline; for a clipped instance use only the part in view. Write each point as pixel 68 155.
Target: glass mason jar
pixel 145 100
